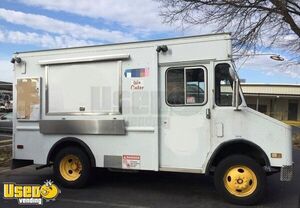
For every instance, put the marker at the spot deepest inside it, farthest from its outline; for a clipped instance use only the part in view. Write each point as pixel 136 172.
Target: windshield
pixel 224 78
pixel 223 85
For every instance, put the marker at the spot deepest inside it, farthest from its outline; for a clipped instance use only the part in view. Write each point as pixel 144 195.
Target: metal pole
pixel 257 102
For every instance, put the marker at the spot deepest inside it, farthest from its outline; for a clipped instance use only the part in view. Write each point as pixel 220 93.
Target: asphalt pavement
pixel 150 189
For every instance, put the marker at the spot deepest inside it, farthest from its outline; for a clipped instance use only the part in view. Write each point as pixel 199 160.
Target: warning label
pixel 131 162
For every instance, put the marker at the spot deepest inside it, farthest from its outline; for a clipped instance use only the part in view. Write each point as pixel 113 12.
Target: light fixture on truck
pixel 276 155
pixel 162 48
pixel 17 59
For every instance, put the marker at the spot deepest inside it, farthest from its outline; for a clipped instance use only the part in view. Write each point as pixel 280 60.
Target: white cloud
pixel 50 25
pixel 142 15
pixel 6 70
pixel 43 40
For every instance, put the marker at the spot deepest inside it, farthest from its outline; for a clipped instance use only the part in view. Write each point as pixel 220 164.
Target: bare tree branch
pixel 253 23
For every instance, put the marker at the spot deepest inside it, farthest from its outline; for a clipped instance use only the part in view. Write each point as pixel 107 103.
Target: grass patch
pixel 5 156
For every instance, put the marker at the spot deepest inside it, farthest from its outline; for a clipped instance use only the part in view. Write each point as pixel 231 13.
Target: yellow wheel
pixel 240 180
pixel 70 167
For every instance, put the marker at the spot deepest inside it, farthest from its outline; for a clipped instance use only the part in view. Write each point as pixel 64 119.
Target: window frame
pixel 226 106
pixel 184 68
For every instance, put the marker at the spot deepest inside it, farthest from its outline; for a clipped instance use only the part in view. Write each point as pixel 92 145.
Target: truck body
pixel 164 105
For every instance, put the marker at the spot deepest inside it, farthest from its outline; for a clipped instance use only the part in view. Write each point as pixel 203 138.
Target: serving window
pixel 83 88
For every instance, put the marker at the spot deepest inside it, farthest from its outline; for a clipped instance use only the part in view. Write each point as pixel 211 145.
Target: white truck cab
pixel 164 105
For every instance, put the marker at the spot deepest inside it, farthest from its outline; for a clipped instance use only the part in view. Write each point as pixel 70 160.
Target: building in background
pixel 280 101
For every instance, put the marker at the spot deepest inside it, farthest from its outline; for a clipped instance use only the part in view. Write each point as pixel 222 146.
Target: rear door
pixel 185 130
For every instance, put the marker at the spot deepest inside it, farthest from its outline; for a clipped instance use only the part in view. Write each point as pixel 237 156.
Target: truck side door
pixel 184 128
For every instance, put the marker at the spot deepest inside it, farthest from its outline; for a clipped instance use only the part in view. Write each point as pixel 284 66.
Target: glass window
pixel 293 110
pixel 195 86
pixel 223 85
pixel 175 86
pixel 185 86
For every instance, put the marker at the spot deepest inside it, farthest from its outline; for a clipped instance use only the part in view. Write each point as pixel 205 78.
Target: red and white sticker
pixel 131 162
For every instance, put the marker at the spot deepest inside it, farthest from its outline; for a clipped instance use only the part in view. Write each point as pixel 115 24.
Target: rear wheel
pixel 240 180
pixel 72 167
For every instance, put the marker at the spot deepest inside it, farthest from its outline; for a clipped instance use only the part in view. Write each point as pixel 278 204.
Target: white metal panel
pixel 93 86
pixel 202 50
pixel 219 129
pixel 269 134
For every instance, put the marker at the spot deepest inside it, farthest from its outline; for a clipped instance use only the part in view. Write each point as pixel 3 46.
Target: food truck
pixel 165 105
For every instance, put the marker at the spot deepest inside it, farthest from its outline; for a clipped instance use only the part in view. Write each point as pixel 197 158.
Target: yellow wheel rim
pixel 70 167
pixel 240 181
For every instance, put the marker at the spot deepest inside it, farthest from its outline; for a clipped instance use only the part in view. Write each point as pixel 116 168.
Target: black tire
pixel 254 194
pixel 84 172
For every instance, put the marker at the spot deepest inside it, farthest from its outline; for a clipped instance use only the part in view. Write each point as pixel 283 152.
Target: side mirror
pixel 236 94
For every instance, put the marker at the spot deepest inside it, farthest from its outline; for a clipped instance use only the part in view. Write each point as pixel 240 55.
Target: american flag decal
pixel 141 72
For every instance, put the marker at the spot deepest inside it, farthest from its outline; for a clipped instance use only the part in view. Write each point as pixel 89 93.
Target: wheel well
pixel 70 141
pixel 237 147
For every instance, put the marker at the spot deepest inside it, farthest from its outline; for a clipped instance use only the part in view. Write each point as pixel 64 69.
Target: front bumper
pixel 286 173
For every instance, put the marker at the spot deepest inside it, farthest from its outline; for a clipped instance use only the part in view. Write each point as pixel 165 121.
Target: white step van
pixel 164 105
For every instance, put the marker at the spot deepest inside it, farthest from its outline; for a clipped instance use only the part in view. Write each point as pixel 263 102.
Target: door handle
pixel 208 114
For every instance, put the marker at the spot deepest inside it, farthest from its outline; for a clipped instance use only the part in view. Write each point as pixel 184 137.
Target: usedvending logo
pixel 31 194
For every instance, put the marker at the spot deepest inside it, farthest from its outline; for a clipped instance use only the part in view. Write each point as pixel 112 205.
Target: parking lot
pixel 150 189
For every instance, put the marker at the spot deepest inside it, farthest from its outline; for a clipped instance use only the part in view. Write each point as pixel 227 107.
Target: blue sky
pixel 39 24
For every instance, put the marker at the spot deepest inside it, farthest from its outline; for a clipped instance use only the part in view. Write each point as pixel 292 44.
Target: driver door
pixel 184 128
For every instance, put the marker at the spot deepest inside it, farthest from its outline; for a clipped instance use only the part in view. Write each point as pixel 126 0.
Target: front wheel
pixel 240 180
pixel 72 167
